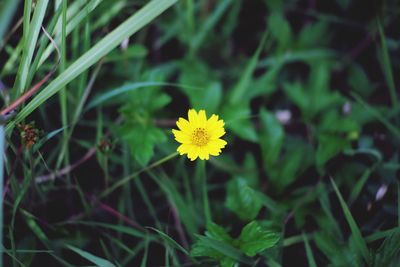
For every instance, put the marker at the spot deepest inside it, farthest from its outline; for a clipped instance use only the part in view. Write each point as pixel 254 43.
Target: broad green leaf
pixel 255 238
pixel 141 140
pixel 90 257
pixel 218 233
pixel 210 247
pixel 295 159
pixel 242 200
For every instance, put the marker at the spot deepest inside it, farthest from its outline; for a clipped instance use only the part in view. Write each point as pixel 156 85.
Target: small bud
pixel 29 134
pixel 105 145
pixel 354 135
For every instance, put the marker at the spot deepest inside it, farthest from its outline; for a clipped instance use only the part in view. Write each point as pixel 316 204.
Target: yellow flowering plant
pixel 200 137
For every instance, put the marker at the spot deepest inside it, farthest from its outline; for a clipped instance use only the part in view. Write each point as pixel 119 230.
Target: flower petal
pixel 217 133
pixel 181 137
pixel 183 125
pixel 184 149
pixel 192 115
pixel 217 144
pixel 203 153
pixel 193 153
pixel 202 118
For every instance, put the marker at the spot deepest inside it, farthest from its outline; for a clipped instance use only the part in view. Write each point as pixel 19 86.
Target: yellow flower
pixel 200 137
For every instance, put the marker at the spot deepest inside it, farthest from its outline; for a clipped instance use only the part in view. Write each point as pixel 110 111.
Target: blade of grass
pixel 398 203
pixel 30 45
pixel 360 242
pixel 2 139
pixel 169 240
pixel 71 25
pixel 387 67
pixel 90 257
pixel 355 192
pixel 310 256
pixel 64 155
pixel 8 9
pixel 102 48
pixel 381 234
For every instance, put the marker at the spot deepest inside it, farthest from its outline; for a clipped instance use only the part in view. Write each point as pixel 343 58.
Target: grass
pixel 309 97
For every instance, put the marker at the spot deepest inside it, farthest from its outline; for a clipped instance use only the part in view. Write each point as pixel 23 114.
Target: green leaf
pixel 280 29
pixel 30 45
pixel 242 200
pixel 218 233
pixel 254 238
pixel 90 257
pixel 315 96
pixel 295 159
pixel 237 119
pixel 141 139
pixel 208 93
pixel 271 137
pixel 210 247
pixel 239 91
pixel 329 146
pixel 359 81
pixel 313 35
pixel 133 51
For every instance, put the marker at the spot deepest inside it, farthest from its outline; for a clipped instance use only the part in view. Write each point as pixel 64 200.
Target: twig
pixel 67 169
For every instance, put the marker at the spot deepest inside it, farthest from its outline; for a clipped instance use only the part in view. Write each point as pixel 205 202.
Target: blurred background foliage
pixel 309 95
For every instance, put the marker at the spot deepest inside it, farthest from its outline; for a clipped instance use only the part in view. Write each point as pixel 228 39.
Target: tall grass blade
pixel 30 44
pixel 359 241
pixel 90 257
pixel 102 48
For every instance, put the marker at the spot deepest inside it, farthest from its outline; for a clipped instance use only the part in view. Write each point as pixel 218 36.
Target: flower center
pixel 200 137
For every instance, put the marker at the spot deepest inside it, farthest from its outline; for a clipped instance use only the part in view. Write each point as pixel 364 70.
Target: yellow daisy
pixel 198 136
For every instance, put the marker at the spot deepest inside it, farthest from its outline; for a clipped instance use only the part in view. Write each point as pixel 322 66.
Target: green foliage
pixel 308 93
pixel 254 239
pixel 138 129
pixel 217 244
pixel 242 200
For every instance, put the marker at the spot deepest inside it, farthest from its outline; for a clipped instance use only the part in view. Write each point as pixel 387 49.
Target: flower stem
pixel 135 174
